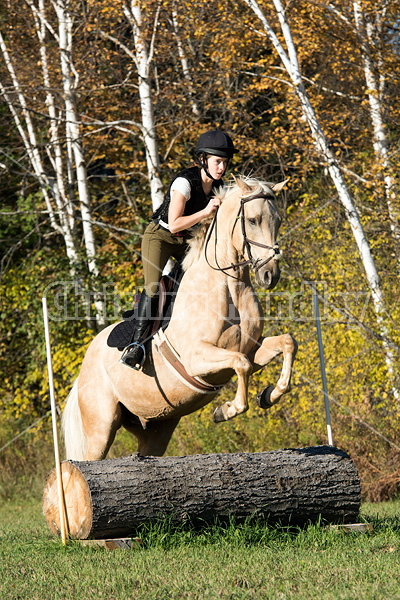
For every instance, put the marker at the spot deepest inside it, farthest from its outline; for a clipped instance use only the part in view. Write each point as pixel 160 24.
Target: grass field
pixel 230 562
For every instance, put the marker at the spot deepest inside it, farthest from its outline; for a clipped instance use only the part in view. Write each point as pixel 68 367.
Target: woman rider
pixel 188 200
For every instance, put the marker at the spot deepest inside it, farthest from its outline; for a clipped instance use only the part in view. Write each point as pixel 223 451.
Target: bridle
pixel 256 264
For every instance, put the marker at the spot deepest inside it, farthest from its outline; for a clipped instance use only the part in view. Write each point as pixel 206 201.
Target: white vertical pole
pixel 322 364
pixel 61 505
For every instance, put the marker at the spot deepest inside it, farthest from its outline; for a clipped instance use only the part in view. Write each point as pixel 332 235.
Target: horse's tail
pixel 71 424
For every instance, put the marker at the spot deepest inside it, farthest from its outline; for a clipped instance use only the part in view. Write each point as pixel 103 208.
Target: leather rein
pixel 254 263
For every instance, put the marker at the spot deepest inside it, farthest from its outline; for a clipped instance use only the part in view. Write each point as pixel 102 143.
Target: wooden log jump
pixel 111 498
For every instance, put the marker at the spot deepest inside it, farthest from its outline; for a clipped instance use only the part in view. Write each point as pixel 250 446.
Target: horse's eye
pixel 252 221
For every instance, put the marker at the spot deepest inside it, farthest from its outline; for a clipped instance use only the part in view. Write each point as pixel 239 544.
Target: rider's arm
pixel 177 222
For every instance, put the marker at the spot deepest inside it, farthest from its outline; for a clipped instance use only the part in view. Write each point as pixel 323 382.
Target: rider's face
pixel 216 166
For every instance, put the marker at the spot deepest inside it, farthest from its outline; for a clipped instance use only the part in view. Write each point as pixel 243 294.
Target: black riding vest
pixel 198 199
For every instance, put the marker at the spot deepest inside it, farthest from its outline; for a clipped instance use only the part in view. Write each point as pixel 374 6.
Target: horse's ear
pixel 242 184
pixel 276 187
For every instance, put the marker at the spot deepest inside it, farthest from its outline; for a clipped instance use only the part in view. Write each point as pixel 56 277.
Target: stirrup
pixel 125 355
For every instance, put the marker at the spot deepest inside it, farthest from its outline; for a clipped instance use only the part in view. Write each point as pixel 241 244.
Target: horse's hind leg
pixel 153 438
pixel 270 348
pixel 101 418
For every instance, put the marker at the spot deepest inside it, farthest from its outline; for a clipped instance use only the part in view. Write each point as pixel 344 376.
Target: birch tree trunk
pixel 60 220
pixel 54 150
pixel 56 178
pixel 143 57
pixel 374 92
pixel 183 60
pixel 74 140
pixel 291 64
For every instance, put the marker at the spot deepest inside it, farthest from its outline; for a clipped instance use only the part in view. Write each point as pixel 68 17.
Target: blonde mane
pixel 197 241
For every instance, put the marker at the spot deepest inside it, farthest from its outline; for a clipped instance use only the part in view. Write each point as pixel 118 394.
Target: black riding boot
pixel 135 354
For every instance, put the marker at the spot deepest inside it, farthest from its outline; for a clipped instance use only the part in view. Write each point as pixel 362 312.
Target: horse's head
pixel 256 228
pixel 252 221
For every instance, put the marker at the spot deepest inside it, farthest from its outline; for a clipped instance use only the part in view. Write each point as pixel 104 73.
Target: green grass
pixel 230 562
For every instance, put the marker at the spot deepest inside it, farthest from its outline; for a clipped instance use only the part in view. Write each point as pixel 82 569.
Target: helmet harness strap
pixel 203 163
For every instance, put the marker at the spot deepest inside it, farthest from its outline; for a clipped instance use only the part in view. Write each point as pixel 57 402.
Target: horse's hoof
pixel 218 416
pixel 264 398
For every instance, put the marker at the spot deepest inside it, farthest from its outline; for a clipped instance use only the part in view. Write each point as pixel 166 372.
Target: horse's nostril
pixel 267 278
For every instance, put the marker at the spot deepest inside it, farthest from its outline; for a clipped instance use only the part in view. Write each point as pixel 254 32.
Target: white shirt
pixel 181 185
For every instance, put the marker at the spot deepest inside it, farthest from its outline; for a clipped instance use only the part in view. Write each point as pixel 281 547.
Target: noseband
pixel 254 263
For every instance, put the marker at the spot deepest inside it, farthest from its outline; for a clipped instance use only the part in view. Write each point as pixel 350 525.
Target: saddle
pixel 122 334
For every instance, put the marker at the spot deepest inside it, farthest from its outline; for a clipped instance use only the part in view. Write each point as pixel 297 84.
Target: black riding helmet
pixel 216 143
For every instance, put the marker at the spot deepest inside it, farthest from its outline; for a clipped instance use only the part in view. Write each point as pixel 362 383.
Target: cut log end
pixel 77 498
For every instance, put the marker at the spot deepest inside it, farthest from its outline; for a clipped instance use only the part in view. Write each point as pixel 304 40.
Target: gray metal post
pixel 322 364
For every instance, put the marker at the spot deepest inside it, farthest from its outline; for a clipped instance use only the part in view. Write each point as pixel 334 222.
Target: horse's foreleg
pixel 209 360
pixel 270 348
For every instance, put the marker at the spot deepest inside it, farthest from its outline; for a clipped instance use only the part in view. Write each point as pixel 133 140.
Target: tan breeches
pixel 158 246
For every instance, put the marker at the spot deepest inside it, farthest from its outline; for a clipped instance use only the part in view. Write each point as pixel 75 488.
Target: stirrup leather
pixel 125 353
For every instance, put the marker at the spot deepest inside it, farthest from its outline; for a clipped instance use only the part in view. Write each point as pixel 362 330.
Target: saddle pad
pixel 121 335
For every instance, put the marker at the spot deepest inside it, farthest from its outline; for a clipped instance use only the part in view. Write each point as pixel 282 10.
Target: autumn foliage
pixel 210 65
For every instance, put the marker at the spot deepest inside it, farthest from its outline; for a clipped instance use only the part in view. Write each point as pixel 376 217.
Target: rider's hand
pixel 211 206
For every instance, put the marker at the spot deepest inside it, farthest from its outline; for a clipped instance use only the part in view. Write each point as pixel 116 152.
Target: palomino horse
pixel 215 328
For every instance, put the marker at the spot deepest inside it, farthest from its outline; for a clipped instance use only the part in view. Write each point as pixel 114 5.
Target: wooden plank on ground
pixel 353 528
pixel 113 544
